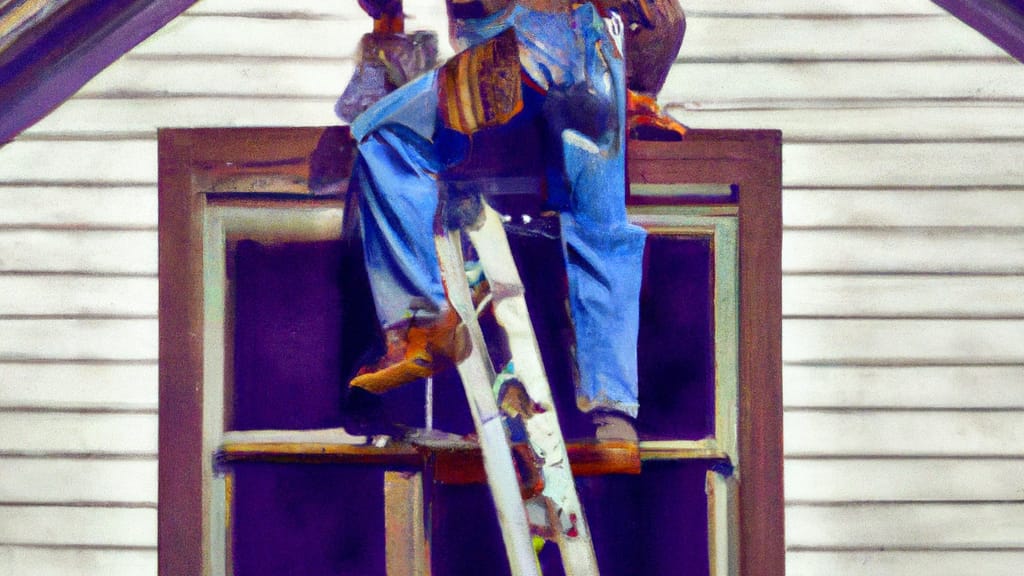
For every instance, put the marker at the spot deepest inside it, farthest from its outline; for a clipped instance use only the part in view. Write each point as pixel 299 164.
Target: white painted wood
pixel 907 525
pixel 706 38
pixel 76 562
pixel 861 120
pixel 100 162
pixel 691 82
pixel 858 480
pixel 78 339
pixel 739 82
pixel 114 207
pixel 904 433
pixel 49 294
pixel 78 526
pixel 895 165
pixel 903 296
pixel 40 433
pixel 93 252
pixel 819 7
pixel 831 39
pixel 69 481
pixel 954 387
pixel 79 386
pixel 900 563
pixel 177 76
pixel 922 250
pixel 900 208
pixel 118 115
pixel 903 341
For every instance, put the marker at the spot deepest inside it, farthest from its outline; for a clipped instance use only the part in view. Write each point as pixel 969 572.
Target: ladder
pixel 555 513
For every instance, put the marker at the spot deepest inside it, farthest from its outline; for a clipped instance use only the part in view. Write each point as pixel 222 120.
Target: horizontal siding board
pixel 941 164
pixel 104 252
pixel 688 82
pixel 78 387
pixel 828 121
pixel 739 7
pixel 68 481
pixel 132 115
pixel 903 296
pixel 176 76
pixel 904 433
pixel 78 339
pixel 921 250
pixel 313 38
pixel 903 341
pixel 953 387
pixel 866 121
pixel 904 563
pixel 726 82
pixel 77 526
pixel 902 208
pixel 821 7
pixel 706 37
pixel 99 162
pixel 48 294
pixel 858 480
pixel 37 433
pixel 78 562
pixel 907 525
pixel 825 39
pixel 78 207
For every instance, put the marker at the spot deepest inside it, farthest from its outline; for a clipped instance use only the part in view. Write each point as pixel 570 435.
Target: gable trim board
pixel 53 59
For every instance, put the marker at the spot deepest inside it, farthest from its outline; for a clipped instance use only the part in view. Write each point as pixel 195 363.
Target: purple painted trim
pixel 62 53
pixel 1001 21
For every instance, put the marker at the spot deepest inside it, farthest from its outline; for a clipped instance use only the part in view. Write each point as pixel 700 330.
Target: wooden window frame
pixel 747 160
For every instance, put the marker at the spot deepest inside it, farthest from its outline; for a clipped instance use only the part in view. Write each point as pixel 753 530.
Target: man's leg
pixel 603 252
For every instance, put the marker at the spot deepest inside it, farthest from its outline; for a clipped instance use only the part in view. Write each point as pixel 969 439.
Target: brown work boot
pixel 647 121
pixel 415 350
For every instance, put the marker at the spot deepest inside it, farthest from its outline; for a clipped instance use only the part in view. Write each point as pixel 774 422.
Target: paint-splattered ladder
pixel 556 511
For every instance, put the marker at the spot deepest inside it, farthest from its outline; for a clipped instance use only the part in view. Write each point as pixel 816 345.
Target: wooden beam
pixel 49 61
pixel 1001 21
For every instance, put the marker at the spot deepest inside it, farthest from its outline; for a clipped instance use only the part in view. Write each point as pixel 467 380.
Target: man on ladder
pixel 539 62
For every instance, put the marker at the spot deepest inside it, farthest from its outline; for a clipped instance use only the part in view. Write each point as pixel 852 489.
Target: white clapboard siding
pixel 754 83
pixel 910 295
pixel 70 295
pixel 903 250
pixel 904 562
pixel 834 8
pixel 852 341
pixel 710 38
pixel 89 526
pixel 110 207
pixel 141 115
pixel 54 481
pixel 81 251
pixel 79 386
pixel 77 561
pixel 964 526
pixel 118 162
pixel 175 76
pixel 897 433
pixel 886 480
pixel 42 433
pixel 904 164
pixel 902 208
pixel 79 338
pixel 865 120
pixel 814 38
pixel 920 386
